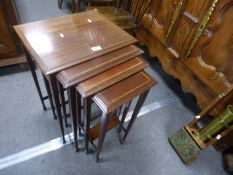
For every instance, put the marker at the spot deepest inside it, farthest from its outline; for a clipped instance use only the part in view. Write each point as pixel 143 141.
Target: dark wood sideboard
pixel 10 49
pixel 193 40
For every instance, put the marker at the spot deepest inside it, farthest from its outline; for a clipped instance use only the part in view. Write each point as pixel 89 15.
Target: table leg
pixel 87 115
pixel 137 109
pixel 50 96
pixel 125 112
pixel 32 68
pixel 103 129
pixel 63 103
pixel 55 93
pixel 72 105
pixel 79 109
pixel 119 111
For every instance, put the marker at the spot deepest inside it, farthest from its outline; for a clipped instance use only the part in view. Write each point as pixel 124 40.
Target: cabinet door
pixel 211 58
pixel 186 21
pixel 8 45
pixel 157 20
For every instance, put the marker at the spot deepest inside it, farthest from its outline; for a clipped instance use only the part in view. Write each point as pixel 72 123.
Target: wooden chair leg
pixel 103 128
pixel 72 105
pixel 63 103
pixel 87 114
pixel 137 108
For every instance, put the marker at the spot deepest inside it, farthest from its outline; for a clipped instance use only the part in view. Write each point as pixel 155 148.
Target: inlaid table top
pixel 121 93
pixel 78 73
pixel 61 42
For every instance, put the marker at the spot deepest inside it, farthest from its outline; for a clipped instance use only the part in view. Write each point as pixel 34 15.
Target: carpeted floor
pixel 24 124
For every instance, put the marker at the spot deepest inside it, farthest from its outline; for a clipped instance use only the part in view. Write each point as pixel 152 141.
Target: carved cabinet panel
pixel 220 49
pixel 211 58
pixel 159 18
pixel 186 23
pixel 193 40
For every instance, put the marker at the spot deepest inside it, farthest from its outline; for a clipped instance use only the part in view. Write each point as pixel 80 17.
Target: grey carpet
pixel 24 124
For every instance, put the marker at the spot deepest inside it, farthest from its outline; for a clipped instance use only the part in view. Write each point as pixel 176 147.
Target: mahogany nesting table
pixel 59 43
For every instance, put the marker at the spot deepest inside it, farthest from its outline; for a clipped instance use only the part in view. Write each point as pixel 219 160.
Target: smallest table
pixel 111 100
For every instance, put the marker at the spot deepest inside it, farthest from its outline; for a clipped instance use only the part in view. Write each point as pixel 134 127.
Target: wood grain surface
pixel 76 74
pixel 111 76
pixel 61 42
pixel 124 91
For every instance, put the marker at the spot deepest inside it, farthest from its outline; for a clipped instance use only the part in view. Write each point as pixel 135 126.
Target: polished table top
pixel 61 42
pixel 78 73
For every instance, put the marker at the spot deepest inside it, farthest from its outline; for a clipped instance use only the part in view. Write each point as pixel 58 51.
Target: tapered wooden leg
pixel 79 109
pixel 103 129
pixel 119 111
pixel 125 112
pixel 72 105
pixel 55 93
pixel 87 113
pixel 32 68
pixel 50 96
pixel 137 108
pixel 63 103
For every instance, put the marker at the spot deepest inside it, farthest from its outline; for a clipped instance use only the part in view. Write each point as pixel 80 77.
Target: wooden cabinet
pixel 10 50
pixel 193 40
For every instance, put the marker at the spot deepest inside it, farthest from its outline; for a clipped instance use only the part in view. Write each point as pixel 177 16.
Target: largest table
pixel 62 42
